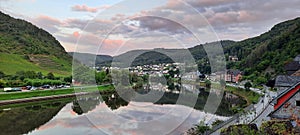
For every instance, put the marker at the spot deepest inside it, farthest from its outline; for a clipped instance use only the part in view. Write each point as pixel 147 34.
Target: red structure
pixel 285 96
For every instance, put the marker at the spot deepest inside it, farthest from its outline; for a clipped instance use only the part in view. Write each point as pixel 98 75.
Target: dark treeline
pixel 32 78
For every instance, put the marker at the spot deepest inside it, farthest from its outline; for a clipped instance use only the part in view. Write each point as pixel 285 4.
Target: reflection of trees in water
pixel 85 104
pixel 26 118
pixel 114 101
pixel 89 103
pixel 224 108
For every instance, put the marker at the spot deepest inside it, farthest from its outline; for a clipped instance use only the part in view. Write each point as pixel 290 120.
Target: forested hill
pixel 24 47
pixel 161 55
pixel 265 55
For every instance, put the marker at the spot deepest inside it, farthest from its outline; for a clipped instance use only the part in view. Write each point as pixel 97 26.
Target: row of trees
pixel 32 78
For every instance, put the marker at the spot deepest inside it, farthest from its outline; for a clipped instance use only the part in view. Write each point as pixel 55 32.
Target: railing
pixel 235 117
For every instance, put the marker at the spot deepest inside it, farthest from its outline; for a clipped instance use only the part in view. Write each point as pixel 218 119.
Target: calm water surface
pixel 110 114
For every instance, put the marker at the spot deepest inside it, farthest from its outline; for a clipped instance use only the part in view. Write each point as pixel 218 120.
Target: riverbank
pixel 52 93
pixel 250 96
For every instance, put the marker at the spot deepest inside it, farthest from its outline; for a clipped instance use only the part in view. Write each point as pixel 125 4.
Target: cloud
pixel 230 19
pixel 152 23
pixel 49 23
pixel 85 8
pixel 76 34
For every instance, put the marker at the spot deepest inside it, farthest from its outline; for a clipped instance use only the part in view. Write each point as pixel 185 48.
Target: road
pixel 256 115
pixel 75 88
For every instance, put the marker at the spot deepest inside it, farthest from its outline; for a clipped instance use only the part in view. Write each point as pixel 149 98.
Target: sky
pixel 113 27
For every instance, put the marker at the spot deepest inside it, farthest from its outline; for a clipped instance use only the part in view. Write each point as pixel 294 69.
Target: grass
pixel 42 93
pixel 249 96
pixel 11 63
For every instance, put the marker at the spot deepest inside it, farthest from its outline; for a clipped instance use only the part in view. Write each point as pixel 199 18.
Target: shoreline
pixel 43 98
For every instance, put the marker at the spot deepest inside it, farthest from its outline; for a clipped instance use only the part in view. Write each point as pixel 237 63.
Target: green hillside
pixel 25 47
pixel 11 63
pixel 264 56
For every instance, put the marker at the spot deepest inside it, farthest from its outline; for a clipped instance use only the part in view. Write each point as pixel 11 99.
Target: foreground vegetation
pixel 267 128
pixel 32 78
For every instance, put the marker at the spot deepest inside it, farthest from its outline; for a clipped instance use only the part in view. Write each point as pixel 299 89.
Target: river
pixel 111 114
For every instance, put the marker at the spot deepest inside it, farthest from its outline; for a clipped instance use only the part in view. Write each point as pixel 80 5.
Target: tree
pixel 207 83
pixel 2 83
pixel 100 76
pixel 30 74
pixel 202 128
pixel 39 75
pixel 20 74
pixel 248 85
pixel 68 79
pixel 36 83
pixel 222 83
pixel 2 75
pixel 107 71
pixel 260 80
pixel 50 76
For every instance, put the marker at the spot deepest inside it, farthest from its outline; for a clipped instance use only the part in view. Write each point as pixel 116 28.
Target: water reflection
pixel 21 120
pixel 113 115
pixel 187 92
pixel 84 104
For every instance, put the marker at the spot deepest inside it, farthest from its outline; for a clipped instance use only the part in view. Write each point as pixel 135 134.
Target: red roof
pixel 286 95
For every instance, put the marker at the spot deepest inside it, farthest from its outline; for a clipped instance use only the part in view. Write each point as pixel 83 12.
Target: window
pixel 298 103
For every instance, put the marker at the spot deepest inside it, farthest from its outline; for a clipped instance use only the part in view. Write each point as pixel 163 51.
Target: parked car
pixel 12 89
pixel 46 87
pixel 33 88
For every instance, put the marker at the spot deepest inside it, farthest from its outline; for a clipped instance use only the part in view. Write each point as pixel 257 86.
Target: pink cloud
pixel 48 19
pixel 76 34
pixel 112 42
pixel 84 8
pixel 48 23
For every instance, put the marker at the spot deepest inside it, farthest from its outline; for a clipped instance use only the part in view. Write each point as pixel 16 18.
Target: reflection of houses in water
pixel 217 76
pixel 216 91
pixel 190 76
pixel 191 88
pixel 173 88
pixel 156 86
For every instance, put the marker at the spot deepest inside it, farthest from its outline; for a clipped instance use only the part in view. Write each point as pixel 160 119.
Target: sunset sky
pixel 114 26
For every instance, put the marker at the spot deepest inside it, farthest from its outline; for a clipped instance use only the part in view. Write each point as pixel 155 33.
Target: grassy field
pixel 249 96
pixel 11 63
pixel 42 93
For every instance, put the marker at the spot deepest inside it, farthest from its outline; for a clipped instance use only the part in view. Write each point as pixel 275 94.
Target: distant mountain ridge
pixel 159 55
pixel 261 56
pixel 91 59
pixel 33 47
